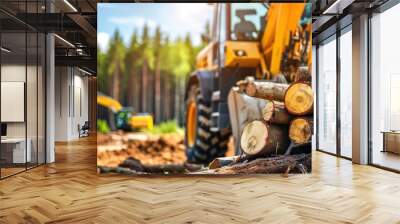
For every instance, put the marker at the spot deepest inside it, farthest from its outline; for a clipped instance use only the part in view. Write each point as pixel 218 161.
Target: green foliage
pixel 175 58
pixel 116 53
pixel 166 127
pixel 126 71
pixel 102 71
pixel 102 126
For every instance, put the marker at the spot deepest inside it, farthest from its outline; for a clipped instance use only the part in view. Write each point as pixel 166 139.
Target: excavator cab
pixel 244 29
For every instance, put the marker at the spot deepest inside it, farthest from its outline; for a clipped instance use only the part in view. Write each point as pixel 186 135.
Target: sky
pixel 174 19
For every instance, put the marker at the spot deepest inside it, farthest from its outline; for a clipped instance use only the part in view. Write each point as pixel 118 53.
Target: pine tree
pixel 132 63
pixel 116 57
pixel 102 73
pixel 157 84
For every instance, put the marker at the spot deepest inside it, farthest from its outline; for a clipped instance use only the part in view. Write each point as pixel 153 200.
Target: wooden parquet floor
pixel 70 191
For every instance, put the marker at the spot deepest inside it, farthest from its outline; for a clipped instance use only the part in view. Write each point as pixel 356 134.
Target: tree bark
pixel 131 88
pixel 266 90
pixel 258 139
pixel 274 112
pixel 301 130
pixel 300 163
pixel 299 99
pixel 116 84
pixel 144 85
pixel 157 92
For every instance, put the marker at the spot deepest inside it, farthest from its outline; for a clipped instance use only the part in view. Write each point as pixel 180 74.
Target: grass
pixel 102 126
pixel 166 127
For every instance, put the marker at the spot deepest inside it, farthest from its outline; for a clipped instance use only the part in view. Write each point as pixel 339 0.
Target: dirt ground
pixel 115 147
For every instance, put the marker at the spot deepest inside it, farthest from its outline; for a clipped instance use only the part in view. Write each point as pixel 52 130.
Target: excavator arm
pixel 281 22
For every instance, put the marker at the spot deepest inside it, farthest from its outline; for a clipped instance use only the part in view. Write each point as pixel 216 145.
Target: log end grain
pixel 299 99
pixel 254 136
pixel 300 130
pixel 268 110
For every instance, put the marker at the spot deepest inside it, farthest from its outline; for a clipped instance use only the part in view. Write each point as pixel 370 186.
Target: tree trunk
pixel 144 85
pixel 116 84
pixel 138 85
pixel 301 130
pixel 274 112
pixel 176 99
pixel 299 99
pixel 157 102
pixel 266 90
pixel 259 138
pixel 300 163
pixel 150 92
pixel 131 88
pixel 167 102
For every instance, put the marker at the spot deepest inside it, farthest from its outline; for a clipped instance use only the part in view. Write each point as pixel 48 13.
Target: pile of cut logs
pixel 286 114
pixel 277 129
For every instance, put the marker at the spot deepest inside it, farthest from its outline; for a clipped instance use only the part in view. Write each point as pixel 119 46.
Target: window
pixel 346 93
pixel 247 20
pixel 327 96
pixel 22 77
pixel 385 89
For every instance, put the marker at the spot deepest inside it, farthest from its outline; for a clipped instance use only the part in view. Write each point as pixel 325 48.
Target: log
pixel 241 84
pixel 274 112
pixel 258 138
pixel 223 161
pixel 301 129
pixel 266 90
pixel 242 109
pixel 300 163
pixel 135 165
pixel 299 99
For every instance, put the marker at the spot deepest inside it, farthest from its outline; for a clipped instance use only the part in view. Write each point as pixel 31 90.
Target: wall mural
pixel 222 88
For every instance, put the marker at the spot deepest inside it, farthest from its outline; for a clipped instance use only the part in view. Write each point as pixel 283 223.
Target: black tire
pixel 208 145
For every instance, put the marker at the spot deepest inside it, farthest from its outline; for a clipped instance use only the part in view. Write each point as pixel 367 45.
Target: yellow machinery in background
pixel 119 117
pixel 267 41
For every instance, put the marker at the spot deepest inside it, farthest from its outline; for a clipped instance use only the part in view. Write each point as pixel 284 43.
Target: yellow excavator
pixel 119 117
pixel 266 41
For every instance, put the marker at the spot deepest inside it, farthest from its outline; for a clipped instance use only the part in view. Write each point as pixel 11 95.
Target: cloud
pixel 102 40
pixel 133 21
pixel 191 12
pixel 193 17
pixel 175 20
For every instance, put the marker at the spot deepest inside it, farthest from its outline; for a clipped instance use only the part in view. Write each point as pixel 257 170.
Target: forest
pixel 149 74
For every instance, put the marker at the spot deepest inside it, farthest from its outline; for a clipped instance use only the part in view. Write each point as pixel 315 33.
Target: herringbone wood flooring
pixel 70 191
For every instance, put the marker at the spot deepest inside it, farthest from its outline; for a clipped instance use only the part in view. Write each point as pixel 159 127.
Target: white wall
pixel 71 102
pixel 15 73
pixel 33 127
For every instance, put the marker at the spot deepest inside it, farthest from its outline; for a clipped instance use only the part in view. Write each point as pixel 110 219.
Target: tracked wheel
pixel 202 144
